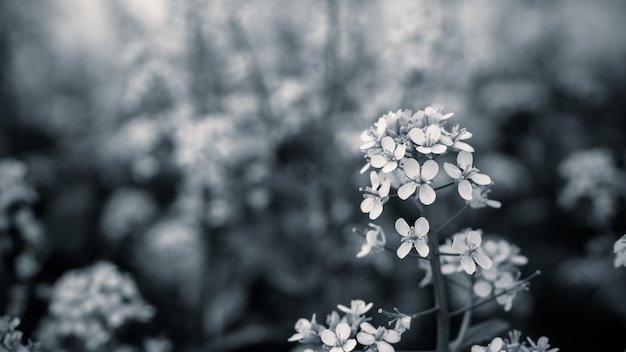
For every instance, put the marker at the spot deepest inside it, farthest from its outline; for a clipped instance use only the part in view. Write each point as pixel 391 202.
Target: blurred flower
pixel 619 248
pixel 90 304
pixel 11 338
pixel 13 188
pixel 419 179
pixel 375 196
pixel 357 308
pixel 467 245
pixel 374 241
pixel 454 139
pixel 413 236
pixel 542 345
pixel 126 210
pixel 380 338
pixel 373 136
pixel 479 198
pixel 592 174
pixel 339 340
pixel 307 331
pixel 463 172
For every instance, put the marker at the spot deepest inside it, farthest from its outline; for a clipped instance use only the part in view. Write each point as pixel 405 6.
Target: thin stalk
pixel 452 218
pixel 444 186
pixel 443 313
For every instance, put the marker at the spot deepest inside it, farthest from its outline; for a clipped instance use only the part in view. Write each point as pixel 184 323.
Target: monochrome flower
pixel 374 241
pixel 496 345
pixel 542 345
pixel 480 200
pixel 390 155
pixel 463 172
pixel 454 139
pixel 357 307
pixel 427 141
pixel 413 236
pixel 619 248
pixel 375 196
pixel 419 178
pixel 339 340
pixel 377 339
pixel 467 245
pixel 306 331
pixel 372 136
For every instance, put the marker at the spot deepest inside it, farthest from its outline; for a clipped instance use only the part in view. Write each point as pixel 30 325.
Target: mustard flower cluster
pixel 344 332
pixel 90 304
pixel 408 149
pixel 513 344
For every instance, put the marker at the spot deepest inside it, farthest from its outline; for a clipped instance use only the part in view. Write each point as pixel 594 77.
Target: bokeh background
pixel 187 171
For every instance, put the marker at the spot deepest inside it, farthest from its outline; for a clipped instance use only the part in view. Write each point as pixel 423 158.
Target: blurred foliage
pixel 210 150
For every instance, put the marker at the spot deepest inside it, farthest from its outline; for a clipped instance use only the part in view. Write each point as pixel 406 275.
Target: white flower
pixel 381 337
pixel 339 340
pixel 357 307
pixel 374 134
pixel 375 196
pixel 505 282
pixel 413 236
pixel 502 252
pixel 374 241
pixel 390 156
pixel 454 139
pixel 306 330
pixel 496 345
pixel 619 248
pixel 419 178
pixel 463 172
pixel 480 200
pixel 467 245
pixel 427 141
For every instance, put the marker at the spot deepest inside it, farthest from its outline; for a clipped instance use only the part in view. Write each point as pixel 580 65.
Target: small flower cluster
pixel 619 248
pixel 513 344
pixel 394 147
pixel 344 333
pixel 90 304
pixel 11 338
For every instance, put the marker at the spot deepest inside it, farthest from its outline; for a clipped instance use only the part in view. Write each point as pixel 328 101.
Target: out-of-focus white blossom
pixel 467 245
pixel 480 200
pixel 619 248
pixel 374 241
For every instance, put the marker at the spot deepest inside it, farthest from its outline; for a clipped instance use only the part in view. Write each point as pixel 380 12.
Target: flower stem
pixel 443 313
pixel 519 286
pixel 452 218
pixel 444 186
pixel 467 318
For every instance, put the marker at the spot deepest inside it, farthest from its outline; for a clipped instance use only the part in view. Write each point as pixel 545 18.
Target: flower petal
pixel 391 336
pixel 496 344
pixel 465 160
pixel 378 161
pixel 481 179
pixel 402 227
pixel 389 166
pixel 399 152
pixel 439 148
pixel 468 264
pixel 389 145
pixel 343 331
pixel 421 226
pixel 377 209
pixel 433 132
pixel 328 337
pixel 429 170
pixel 465 189
pixel 365 338
pixel 407 190
pixel 417 136
pixel 383 346
pixel 463 147
pixel 349 345
pixel 427 195
pixel 458 244
pixel 422 248
pixel 374 179
pixel 404 249
pixel 368 328
pixel 452 170
pixel 411 168
pixel 474 238
pixel 383 191
pixel 482 260
pixel 367 204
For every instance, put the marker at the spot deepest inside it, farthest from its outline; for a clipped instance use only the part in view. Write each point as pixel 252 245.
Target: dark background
pixel 210 149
